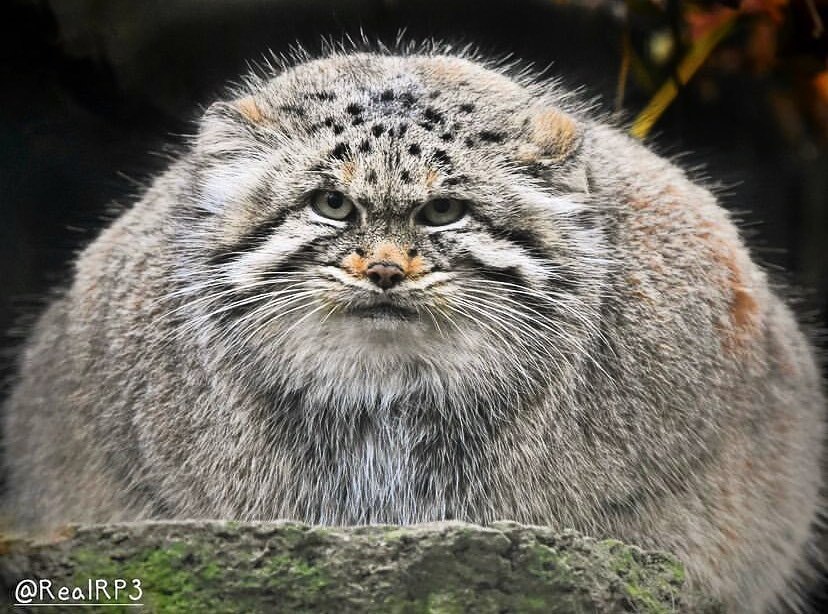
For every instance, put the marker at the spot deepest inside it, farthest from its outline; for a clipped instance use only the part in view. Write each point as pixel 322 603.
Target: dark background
pixel 93 92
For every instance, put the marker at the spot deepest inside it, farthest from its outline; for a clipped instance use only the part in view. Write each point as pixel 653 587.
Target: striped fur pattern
pixel 588 345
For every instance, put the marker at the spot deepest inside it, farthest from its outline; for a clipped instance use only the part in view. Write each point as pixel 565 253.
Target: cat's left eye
pixel 441 212
pixel 332 205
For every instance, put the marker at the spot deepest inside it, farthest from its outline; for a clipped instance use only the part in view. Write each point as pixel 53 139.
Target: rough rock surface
pixel 287 567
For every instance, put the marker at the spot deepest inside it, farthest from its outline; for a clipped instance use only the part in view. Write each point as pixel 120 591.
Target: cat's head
pixel 393 209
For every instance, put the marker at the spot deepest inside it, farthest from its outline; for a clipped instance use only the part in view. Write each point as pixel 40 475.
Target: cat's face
pixel 393 207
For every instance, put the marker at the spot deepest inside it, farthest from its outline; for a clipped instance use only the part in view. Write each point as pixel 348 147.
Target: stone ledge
pixel 447 567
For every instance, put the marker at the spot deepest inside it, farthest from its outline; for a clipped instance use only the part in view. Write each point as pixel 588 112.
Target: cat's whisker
pixel 269 312
pixel 463 308
pixel 519 330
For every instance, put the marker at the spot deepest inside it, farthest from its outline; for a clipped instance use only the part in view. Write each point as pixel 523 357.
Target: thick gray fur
pixel 593 347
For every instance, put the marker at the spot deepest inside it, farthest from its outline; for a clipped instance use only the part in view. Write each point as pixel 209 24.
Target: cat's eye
pixel 441 212
pixel 332 205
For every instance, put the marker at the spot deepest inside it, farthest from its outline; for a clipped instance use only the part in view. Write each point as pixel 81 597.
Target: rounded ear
pixel 553 136
pixel 228 126
pixel 249 109
pixel 241 110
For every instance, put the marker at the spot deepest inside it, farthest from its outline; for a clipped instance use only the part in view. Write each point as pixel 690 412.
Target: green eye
pixel 442 211
pixel 332 205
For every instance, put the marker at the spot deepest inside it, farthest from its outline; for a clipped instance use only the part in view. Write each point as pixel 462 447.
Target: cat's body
pixel 400 289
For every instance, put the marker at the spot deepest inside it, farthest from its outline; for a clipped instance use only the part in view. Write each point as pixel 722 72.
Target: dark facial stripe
pixel 251 240
pixel 507 274
pixel 305 254
pixel 297 261
pixel 522 237
pixel 534 249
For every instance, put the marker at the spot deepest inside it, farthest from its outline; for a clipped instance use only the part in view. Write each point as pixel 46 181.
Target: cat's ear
pixel 228 126
pixel 552 136
pixel 249 109
pixel 246 110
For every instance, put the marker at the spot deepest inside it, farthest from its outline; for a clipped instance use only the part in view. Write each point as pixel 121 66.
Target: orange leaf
pixel 775 9
pixel 820 85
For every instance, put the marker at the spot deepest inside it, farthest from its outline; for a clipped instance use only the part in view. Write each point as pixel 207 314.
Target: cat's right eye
pixel 332 205
pixel 441 212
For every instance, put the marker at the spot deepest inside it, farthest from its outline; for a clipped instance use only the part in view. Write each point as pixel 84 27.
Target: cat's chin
pixel 382 326
pixel 384 315
pixel 394 330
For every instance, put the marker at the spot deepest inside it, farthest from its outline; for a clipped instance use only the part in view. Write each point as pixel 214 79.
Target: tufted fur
pixel 591 346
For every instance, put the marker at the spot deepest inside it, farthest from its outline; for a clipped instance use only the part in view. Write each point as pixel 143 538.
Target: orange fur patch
pixel 355 264
pixel 348 172
pixel 414 267
pixel 431 177
pixel 554 132
pixel 386 251
pixel 743 314
pixel 660 214
pixel 249 108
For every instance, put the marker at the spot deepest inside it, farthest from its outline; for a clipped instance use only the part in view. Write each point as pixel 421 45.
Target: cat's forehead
pixel 403 129
pixel 420 87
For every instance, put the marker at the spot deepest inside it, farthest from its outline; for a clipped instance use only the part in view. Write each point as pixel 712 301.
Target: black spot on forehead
pixel 354 109
pixel 377 129
pixel 340 151
pixel 331 123
pixel 456 180
pixel 441 157
pixel 447 137
pixel 466 107
pixel 491 137
pixel 432 115
pixel 321 96
pixel 365 146
pixel 356 121
pixel 405 176
pixel 372 177
pixel 387 95
pixel 408 99
pixel 414 149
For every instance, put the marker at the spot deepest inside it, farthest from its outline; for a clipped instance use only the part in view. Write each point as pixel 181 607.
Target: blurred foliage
pixel 669 45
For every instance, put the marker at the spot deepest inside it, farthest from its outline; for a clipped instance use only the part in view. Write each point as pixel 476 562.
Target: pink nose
pixel 385 274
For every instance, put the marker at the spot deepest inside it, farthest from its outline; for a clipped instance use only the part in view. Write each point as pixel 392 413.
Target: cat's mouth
pixel 383 311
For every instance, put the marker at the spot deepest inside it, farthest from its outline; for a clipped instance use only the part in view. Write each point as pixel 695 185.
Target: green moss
pixel 174 579
pixel 396 534
pixel 549 565
pixel 292 574
pixel 292 568
pixel 677 570
pixel 648 592
pixel 643 600
pixel 444 603
pixel 534 604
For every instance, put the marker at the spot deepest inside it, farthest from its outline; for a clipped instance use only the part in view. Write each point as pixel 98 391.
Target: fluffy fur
pixel 589 347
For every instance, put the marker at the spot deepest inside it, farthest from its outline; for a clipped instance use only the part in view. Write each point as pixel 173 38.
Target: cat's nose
pixel 385 274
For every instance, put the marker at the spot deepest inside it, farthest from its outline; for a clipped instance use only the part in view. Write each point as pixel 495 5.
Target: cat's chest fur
pixel 384 460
